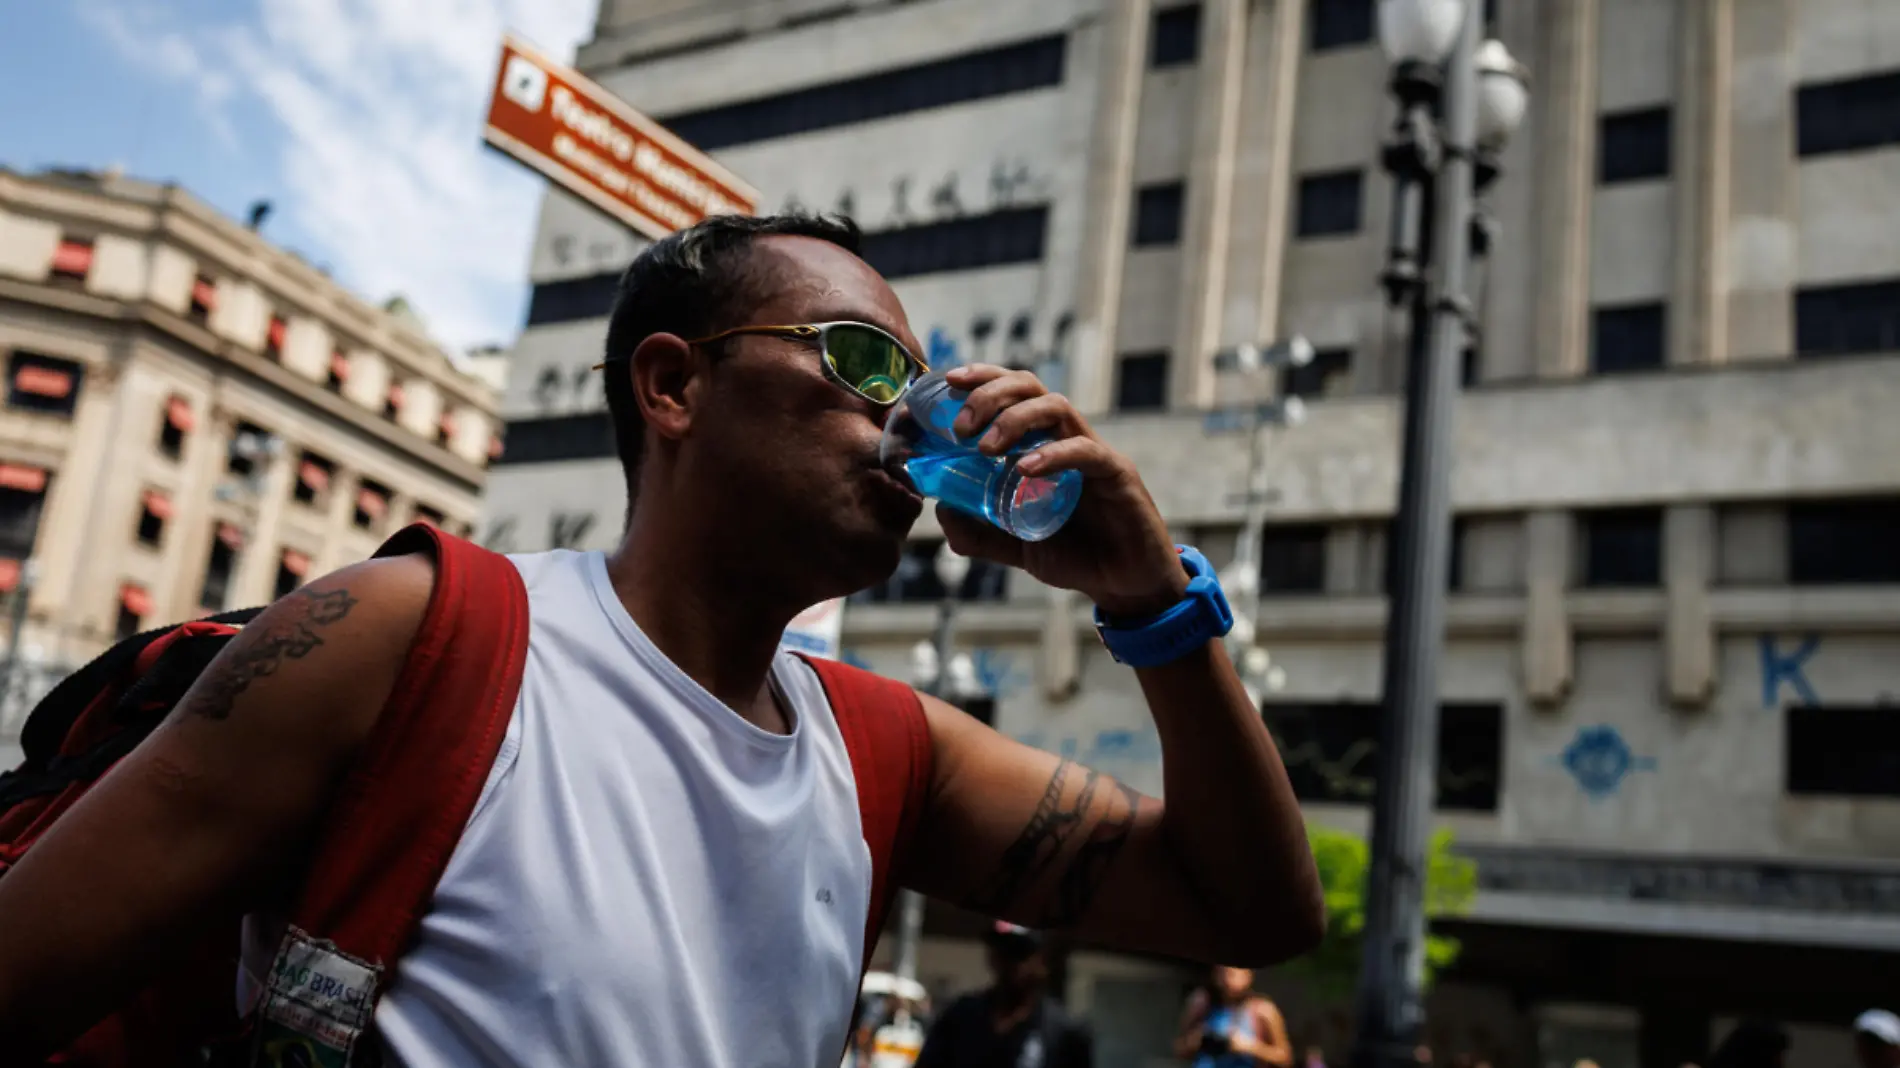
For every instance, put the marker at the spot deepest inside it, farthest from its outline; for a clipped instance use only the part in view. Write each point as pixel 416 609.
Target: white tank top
pixel 648 879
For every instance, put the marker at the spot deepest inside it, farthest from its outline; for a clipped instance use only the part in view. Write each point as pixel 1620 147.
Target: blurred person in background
pixel 1877 1039
pixel 1753 1044
pixel 1014 1023
pixel 1228 1025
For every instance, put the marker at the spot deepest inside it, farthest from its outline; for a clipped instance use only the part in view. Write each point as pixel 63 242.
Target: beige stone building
pixel 1673 648
pixel 196 420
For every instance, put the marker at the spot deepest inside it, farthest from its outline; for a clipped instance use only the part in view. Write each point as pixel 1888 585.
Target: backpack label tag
pixel 317 1005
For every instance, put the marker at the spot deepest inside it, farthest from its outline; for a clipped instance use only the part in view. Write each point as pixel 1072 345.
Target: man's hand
pixel 1116 549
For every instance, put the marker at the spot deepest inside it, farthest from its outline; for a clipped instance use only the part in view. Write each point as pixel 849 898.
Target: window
pixel 1470 367
pixel 372 504
pixel 1633 146
pixel 426 514
pixel 1141 382
pixel 587 436
pixel 1158 210
pixel 291 569
pixel 1847 116
pixel 1329 374
pixel 1176 37
pixel 247 444
pixel 274 337
pixel 72 261
pixel 22 494
pixel 1629 338
pixel 313 479
pixel 1293 559
pixel 392 402
pixel 589 297
pixel 915 579
pixel 1622 548
pixel 178 423
pixel 204 297
pixel 1843 752
pixel 154 510
pixel 445 429
pixel 135 603
pixel 1329 204
pixel 339 371
pixel 218 570
pixel 44 384
pixel 993 72
pixel 1014 235
pixel 1840 542
pixel 1339 23
pixel 1331 752
pixel 1847 320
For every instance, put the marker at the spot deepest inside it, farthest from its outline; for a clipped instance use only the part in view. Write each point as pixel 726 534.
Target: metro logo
pixel 524 83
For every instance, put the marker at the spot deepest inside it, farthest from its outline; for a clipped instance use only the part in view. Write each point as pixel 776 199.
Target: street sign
pixel 817 630
pixel 572 131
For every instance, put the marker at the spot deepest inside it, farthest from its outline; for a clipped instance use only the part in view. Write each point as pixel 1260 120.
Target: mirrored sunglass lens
pixel 869 362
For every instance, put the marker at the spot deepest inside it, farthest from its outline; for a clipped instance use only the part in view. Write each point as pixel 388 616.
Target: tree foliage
pixel 1344 862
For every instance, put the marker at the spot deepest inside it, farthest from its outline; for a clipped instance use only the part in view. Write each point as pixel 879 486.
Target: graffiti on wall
pixel 1787 669
pixel 1105 750
pixel 1021 339
pixel 1600 759
pixel 913 200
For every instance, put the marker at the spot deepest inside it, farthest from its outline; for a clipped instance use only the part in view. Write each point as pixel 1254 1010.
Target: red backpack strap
pixel 414 788
pixel 891 757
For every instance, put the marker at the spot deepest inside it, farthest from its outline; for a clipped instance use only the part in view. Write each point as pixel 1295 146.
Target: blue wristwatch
pixel 1197 619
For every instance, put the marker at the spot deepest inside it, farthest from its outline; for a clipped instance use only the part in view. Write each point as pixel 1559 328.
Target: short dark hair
pixel 691 283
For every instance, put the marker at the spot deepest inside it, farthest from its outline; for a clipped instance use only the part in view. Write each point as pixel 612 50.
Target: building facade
pixel 1673 643
pixel 197 421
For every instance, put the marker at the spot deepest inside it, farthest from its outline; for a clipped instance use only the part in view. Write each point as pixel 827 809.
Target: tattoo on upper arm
pixel 289 631
pixel 1040 845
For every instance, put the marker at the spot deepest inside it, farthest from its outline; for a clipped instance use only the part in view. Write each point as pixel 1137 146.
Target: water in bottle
pixel 950 469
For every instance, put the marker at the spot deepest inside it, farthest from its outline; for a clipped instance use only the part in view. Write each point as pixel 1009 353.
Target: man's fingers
pixel 1050 411
pixel 994 394
pixel 1093 458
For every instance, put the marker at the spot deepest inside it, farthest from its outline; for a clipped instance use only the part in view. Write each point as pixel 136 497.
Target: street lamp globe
pixel 951 568
pixel 1503 94
pixel 924 664
pixel 961 679
pixel 1419 31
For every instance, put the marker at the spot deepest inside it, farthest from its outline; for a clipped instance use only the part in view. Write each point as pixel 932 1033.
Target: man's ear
pixel 666 372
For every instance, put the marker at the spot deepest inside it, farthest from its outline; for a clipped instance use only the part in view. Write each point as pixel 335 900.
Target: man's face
pixel 787 457
pixel 1233 982
pixel 1017 968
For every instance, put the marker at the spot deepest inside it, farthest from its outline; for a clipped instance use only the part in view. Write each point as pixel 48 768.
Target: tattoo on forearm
pixel 288 632
pixel 1040 846
pixel 1089 866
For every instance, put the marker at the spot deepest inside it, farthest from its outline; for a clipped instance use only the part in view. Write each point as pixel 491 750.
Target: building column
pixel 1698 315
pixel 332 553
pixel 1762 258
pixel 1566 174
pixel 188 541
pixel 1689 549
pixel 1279 33
pixel 1210 201
pixel 256 574
pixel 1109 203
pixel 64 546
pixel 1347 550
pixel 1548 645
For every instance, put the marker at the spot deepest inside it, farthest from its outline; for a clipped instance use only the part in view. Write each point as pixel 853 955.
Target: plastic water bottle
pixel 949 468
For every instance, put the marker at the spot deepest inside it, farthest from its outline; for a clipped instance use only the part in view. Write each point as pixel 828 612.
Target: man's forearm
pixel 1231 814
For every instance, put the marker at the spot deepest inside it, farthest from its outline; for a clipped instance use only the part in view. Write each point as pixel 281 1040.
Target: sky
pixel 359 120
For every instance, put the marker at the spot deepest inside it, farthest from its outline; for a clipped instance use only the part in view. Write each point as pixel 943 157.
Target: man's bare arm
pixel 1219 874
pixel 210 816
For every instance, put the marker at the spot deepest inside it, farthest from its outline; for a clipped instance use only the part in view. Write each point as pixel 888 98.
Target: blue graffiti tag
pixel 1599 759
pixel 942 354
pixel 1109 748
pixel 996 671
pixel 855 659
pixel 1778 668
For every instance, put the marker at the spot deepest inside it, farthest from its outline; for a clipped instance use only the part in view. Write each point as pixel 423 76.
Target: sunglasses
pixel 859 357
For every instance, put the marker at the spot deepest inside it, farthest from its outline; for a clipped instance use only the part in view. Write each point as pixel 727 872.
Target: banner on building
pixel 817 630
pixel 572 131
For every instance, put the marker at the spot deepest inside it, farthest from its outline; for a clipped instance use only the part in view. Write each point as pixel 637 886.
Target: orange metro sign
pixel 572 131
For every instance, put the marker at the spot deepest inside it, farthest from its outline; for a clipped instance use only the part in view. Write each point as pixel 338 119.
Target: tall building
pixel 1674 636
pixel 196 420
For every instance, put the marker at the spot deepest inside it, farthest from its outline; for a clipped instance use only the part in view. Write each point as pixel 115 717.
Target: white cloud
pixel 380 106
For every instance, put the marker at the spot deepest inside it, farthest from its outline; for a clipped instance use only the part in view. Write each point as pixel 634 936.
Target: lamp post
pixel 1459 100
pixel 1242 578
pixel 937 670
